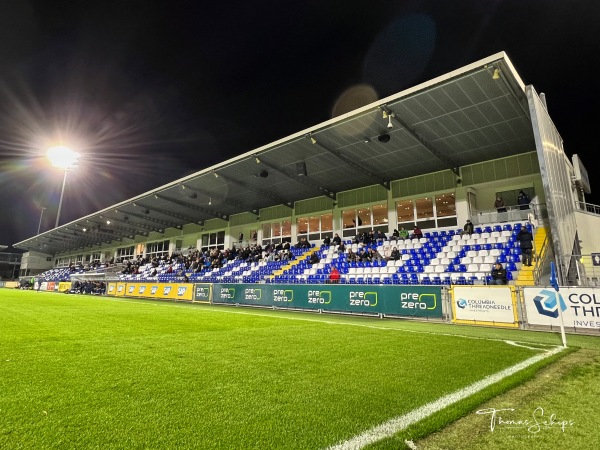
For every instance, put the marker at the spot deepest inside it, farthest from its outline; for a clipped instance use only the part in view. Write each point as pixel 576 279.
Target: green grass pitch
pixel 98 372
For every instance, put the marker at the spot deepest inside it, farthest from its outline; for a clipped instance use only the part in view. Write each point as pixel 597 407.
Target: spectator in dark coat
pixel 467 229
pixel 523 200
pixel 498 274
pixel 525 239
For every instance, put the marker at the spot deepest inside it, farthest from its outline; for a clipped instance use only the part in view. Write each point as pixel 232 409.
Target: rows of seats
pixel 440 257
pixel 59 274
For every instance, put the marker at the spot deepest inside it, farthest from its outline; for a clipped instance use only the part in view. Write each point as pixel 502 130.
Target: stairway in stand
pixel 526 274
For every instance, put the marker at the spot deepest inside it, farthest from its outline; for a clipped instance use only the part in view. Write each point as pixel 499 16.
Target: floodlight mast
pixel 62 192
pixel 41 215
pixel 66 159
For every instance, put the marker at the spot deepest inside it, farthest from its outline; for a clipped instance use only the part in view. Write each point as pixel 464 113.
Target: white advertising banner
pixel 489 304
pixel 580 306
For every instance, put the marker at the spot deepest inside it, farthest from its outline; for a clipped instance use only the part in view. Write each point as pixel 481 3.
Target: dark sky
pixel 150 91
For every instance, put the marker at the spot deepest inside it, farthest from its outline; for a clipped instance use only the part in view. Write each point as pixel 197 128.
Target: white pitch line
pixel 393 426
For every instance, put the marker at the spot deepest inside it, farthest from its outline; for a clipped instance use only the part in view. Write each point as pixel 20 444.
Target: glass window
pixel 364 217
pixel 445 205
pixel 158 249
pixel 373 217
pixel 380 215
pixel 424 207
pixel 212 240
pixel 405 211
pixel 276 229
pixel 277 232
pixel 317 227
pixel 302 225
pixel 124 253
pixel 430 212
pixel 349 218
pixel 266 230
pixel 327 222
pixel 286 229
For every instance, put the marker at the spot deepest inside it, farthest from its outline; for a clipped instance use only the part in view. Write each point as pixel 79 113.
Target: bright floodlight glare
pixel 62 157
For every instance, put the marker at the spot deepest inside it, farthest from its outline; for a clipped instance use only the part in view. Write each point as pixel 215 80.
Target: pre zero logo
pixel 546 304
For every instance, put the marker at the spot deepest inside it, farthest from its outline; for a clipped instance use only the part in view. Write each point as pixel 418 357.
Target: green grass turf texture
pixel 97 372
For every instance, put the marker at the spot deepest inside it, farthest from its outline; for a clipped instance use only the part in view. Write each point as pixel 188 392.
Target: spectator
pixel 525 239
pixel 241 238
pixel 396 233
pixel 395 254
pixel 417 233
pixel 374 255
pixel 303 243
pixel 327 241
pixel 523 200
pixel 403 233
pixel 467 229
pixel 314 258
pixel 498 274
pixel 337 240
pixel 334 275
pixel 499 204
pixel 352 256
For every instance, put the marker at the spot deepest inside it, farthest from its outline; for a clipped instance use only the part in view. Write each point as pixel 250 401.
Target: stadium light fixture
pixel 65 159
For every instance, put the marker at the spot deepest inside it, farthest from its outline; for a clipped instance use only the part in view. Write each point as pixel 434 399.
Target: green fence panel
pixel 202 292
pixel 414 301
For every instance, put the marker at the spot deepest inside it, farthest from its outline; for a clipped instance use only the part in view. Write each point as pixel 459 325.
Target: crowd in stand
pixel 182 264
pixel 197 261
pixel 87 287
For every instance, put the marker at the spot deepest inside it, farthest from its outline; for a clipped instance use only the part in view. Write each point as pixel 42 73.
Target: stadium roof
pixel 473 114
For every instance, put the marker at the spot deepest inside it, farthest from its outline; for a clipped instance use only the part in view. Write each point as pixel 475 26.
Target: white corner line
pixel 396 424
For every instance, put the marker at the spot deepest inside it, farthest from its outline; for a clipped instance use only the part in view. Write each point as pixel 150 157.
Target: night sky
pixel 149 94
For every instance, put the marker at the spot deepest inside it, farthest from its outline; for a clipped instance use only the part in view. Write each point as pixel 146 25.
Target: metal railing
pixel 535 213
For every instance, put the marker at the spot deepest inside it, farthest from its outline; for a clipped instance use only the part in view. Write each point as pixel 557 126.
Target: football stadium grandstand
pixel 269 227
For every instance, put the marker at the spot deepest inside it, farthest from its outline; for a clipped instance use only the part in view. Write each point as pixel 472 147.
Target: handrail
pixel 542 258
pixel 588 207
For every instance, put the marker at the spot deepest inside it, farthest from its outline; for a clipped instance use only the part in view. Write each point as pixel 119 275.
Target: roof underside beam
pixel 216 196
pixel 449 162
pixel 133 228
pixel 193 207
pixel 92 234
pixel 300 179
pixel 145 226
pixel 125 232
pixel 359 167
pixel 260 191
pixel 164 223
